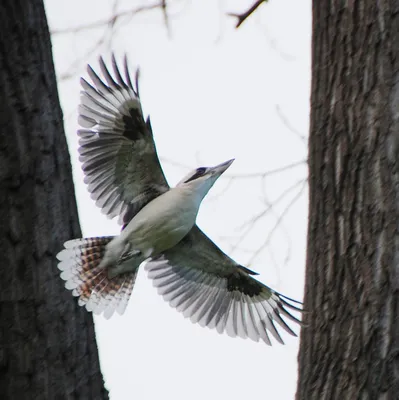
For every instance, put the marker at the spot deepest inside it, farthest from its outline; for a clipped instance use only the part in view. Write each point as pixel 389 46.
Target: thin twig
pixel 72 69
pixel 176 164
pixel 245 15
pixel 277 224
pixel 215 196
pixel 276 267
pixel 240 176
pixel 250 224
pixel 166 18
pixel 108 21
pixel 288 125
pixel 267 173
pixel 275 202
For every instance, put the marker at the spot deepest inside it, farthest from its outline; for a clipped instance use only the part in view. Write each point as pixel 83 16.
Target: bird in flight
pixel 124 176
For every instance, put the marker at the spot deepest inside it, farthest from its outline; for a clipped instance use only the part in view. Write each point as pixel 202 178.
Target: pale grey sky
pixel 212 93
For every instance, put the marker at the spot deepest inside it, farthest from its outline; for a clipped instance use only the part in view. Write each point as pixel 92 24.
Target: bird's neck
pixel 186 196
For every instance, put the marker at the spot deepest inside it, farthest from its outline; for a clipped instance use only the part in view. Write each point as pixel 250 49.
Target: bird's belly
pixel 165 239
pixel 155 235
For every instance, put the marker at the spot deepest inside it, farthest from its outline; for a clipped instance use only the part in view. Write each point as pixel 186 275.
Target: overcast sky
pixel 213 93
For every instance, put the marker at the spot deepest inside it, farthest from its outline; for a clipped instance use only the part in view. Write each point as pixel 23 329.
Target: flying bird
pixel 123 174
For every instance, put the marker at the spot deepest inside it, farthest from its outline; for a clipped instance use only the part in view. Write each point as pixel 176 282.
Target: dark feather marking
pixel 148 125
pixel 243 284
pixel 188 241
pixel 134 125
pixel 199 172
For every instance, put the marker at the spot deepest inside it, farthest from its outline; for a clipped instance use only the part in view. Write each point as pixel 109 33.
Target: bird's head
pixel 202 179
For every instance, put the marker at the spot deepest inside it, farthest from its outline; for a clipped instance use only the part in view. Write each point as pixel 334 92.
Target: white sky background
pixel 212 93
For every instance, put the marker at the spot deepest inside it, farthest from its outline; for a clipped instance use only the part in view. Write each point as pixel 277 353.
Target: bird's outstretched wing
pixel 116 145
pixel 208 287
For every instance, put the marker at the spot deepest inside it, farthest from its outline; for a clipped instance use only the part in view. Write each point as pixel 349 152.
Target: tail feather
pixel 126 291
pixel 79 263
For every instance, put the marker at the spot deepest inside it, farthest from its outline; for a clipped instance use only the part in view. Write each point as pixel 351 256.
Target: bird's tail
pixel 79 263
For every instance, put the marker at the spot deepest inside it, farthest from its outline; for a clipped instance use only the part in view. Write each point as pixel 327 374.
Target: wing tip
pixel 247 309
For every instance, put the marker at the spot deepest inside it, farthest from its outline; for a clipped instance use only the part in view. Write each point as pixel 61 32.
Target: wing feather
pixel 116 145
pixel 208 287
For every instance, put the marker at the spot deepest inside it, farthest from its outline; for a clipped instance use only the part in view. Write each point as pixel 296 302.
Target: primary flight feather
pixel 124 176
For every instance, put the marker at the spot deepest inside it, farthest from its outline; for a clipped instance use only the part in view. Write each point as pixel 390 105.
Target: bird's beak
pixel 219 169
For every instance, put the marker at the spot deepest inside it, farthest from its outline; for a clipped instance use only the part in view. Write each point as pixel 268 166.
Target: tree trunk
pixel 47 343
pixel 350 349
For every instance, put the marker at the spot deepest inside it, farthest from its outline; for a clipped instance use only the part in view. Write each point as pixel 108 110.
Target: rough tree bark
pixel 47 343
pixel 350 349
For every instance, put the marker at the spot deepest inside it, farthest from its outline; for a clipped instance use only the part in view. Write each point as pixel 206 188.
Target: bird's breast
pixel 162 223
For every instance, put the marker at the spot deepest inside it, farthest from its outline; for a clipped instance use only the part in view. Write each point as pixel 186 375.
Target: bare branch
pixel 241 176
pixel 166 18
pixel 245 15
pixel 267 173
pixel 250 224
pixel 72 69
pixel 275 202
pixel 288 125
pixel 111 20
pixel 277 224
pixel 117 19
pixel 215 196
pixel 176 164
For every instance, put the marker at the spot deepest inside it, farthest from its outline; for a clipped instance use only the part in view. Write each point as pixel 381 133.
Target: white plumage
pixel 125 179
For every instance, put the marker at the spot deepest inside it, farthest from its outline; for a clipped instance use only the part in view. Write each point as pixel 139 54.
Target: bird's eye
pixel 199 172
